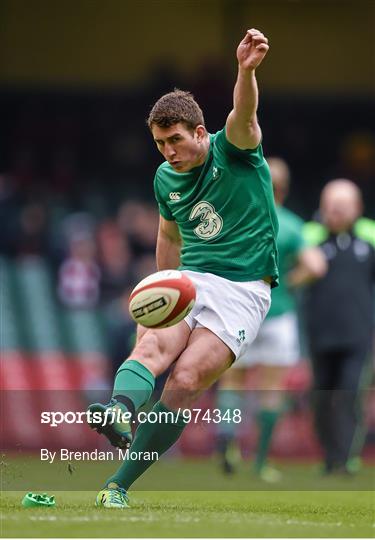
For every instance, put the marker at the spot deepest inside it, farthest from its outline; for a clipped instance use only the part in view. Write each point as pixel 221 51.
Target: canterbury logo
pixel 175 196
pixel 215 173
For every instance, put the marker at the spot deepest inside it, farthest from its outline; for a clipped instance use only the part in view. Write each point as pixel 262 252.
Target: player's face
pixel 181 147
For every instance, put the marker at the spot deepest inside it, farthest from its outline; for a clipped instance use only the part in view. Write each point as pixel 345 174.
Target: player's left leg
pixel 229 397
pixel 271 399
pixel 205 358
pixel 277 351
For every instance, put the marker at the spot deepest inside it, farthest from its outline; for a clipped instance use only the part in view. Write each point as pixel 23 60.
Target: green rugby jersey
pixel 290 241
pixel 225 212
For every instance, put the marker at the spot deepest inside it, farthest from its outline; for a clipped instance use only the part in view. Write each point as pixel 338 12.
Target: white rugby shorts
pixel 232 310
pixel 276 344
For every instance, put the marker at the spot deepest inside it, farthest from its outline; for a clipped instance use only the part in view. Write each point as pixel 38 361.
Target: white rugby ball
pixel 162 299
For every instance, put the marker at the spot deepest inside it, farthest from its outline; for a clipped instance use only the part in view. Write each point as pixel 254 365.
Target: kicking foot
pixel 117 432
pixel 112 496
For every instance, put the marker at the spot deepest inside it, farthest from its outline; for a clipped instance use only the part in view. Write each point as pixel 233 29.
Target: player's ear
pixel 200 132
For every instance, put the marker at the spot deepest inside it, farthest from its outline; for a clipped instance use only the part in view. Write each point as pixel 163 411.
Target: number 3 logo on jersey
pixel 211 223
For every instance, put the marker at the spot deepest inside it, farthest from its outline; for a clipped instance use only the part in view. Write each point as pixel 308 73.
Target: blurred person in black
pixel 10 208
pixel 31 236
pixel 115 261
pixel 339 322
pixel 120 329
pixel 139 223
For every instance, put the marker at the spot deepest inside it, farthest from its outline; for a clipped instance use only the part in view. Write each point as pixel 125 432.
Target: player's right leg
pixel 153 353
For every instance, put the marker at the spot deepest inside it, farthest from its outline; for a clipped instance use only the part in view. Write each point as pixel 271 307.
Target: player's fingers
pixel 263 47
pixel 254 37
pixel 250 34
pixel 259 39
pixel 248 38
pixel 251 38
pixel 254 32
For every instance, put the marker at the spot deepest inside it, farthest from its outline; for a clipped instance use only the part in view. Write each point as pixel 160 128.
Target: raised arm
pixel 168 245
pixel 242 128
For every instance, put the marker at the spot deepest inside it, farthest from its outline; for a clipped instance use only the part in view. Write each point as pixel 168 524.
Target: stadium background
pixel 77 217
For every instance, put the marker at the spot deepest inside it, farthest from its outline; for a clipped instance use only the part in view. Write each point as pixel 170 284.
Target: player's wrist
pixel 246 71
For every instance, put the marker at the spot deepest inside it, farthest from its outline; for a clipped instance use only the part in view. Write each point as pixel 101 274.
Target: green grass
pixel 201 514
pixel 346 511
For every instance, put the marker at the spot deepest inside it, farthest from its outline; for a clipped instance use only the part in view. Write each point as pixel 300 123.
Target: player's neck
pixel 202 156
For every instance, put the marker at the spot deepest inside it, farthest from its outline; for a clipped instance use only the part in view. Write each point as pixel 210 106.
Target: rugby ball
pixel 162 299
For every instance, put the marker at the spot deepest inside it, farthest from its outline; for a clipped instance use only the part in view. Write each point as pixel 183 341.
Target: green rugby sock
pixel 133 386
pixel 149 437
pixel 266 423
pixel 227 402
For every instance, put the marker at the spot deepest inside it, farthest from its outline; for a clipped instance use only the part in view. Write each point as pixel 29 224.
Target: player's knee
pixel 148 352
pixel 148 346
pixel 141 330
pixel 185 381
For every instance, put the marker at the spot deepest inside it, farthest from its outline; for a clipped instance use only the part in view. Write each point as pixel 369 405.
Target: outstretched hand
pixel 252 49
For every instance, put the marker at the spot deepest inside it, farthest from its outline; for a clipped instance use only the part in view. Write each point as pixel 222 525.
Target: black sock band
pixel 127 402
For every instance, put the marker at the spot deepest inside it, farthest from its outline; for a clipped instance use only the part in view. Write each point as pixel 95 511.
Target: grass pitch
pixel 262 512
pixel 201 514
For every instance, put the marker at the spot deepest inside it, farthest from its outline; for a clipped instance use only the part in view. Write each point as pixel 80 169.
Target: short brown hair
pixel 174 107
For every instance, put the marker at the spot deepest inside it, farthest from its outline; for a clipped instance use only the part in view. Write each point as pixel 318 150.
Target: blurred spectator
pixel 121 329
pixel 23 168
pixel 63 170
pixel 339 317
pixel 139 221
pixel 127 152
pixel 144 266
pixel 9 210
pixel 79 275
pixel 78 222
pixel 114 258
pixel 32 234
